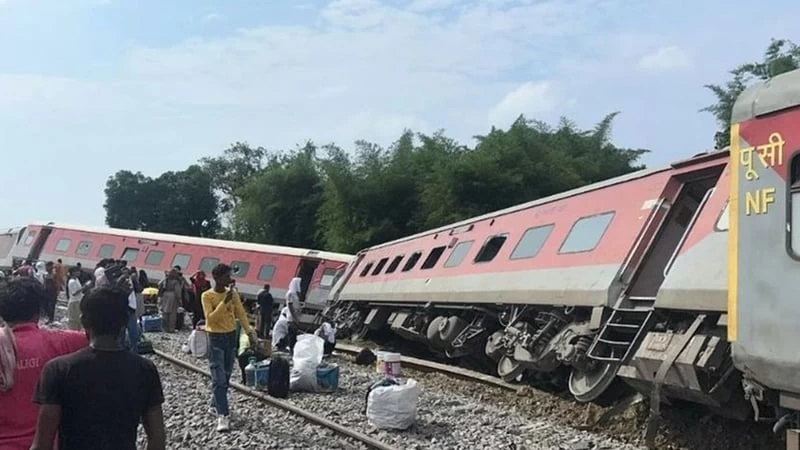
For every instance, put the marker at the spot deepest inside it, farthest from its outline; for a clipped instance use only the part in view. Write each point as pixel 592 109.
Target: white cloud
pixel 211 17
pixel 532 99
pixel 665 59
pixel 432 5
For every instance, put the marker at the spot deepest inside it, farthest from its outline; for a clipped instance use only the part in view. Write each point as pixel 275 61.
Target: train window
pixel 106 251
pixel 586 233
pixel 63 244
pixel 154 258
pixel 29 238
pixel 433 257
pixel 83 248
pixel 266 272
pixel 130 254
pixel 365 271
pixel 491 248
pixel 412 261
pixel 393 265
pixel 328 277
pixel 182 260
pixel 207 264
pixel 380 265
pixel 458 254
pixel 532 241
pixel 723 221
pixel 794 206
pixel 240 268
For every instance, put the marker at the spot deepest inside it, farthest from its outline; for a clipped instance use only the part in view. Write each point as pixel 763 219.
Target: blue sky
pixel 89 87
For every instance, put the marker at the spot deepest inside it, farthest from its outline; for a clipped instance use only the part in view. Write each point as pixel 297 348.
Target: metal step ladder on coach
pixel 630 319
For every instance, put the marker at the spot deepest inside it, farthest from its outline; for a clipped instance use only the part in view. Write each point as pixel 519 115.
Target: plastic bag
pixel 198 343
pixel 308 353
pixel 393 407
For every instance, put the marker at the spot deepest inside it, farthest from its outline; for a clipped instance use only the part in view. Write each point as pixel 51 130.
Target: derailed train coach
pixel 253 264
pixel 624 278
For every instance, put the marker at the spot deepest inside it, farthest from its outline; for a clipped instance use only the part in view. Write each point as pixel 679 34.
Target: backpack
pixel 278 383
pixel 145 347
pixel 198 343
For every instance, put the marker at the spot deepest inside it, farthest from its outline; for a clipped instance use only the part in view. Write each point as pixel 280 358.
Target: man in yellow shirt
pixel 222 306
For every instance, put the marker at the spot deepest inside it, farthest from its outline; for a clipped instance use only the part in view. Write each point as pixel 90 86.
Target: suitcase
pixel 152 324
pixel 278 384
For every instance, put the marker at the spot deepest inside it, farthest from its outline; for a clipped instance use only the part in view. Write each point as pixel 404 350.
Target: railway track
pixel 315 419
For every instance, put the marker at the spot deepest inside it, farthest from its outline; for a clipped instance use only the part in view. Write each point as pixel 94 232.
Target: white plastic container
pixel 392 365
pixel 379 361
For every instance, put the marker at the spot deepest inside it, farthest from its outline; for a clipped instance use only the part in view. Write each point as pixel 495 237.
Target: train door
pixel 38 244
pixel 306 270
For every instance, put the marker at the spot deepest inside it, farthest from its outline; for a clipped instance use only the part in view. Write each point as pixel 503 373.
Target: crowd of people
pixel 87 386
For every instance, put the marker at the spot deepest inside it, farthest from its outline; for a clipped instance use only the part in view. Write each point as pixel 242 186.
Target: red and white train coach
pixel 569 285
pixel 253 264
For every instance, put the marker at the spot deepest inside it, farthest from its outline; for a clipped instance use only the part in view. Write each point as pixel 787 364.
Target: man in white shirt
pixel 76 292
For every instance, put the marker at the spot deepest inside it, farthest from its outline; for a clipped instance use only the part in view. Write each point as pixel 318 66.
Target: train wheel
pixel 433 332
pixel 508 369
pixel 588 385
pixel 450 328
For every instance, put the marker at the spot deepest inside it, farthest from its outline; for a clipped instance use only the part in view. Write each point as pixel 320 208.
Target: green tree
pixel 781 56
pixel 232 170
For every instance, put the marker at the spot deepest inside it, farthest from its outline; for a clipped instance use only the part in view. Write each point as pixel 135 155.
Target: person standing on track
pixel 51 287
pixel 200 284
pixel 265 302
pixel 60 274
pixel 171 292
pixel 95 398
pixel 24 350
pixel 222 306
pixel 75 293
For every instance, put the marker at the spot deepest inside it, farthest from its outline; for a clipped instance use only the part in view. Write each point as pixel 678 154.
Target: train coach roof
pixel 778 93
pixel 541 201
pixel 205 241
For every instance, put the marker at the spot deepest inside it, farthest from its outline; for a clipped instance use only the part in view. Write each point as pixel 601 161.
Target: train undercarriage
pixel 678 355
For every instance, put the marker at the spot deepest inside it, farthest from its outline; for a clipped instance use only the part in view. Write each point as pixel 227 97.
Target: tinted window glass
pixel 208 264
pixel 531 242
pixel 182 260
pixel 412 261
pixel 84 247
pixel 130 254
pixel 393 265
pixel 491 248
pixel 29 239
pixel 240 268
pixel 458 254
pixel 586 233
pixel 365 271
pixel 63 244
pixel 154 258
pixel 380 265
pixel 328 278
pixel 266 273
pixel 433 257
pixel 106 251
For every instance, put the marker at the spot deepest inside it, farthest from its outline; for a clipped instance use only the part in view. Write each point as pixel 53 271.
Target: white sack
pixel 393 407
pixel 308 352
pixel 198 343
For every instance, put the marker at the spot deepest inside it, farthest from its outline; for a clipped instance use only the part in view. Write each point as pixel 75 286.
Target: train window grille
pixel 84 247
pixel 154 258
pixel 63 245
pixel 365 271
pixel 240 268
pixel 380 266
pixel 794 207
pixel 412 261
pixel 207 264
pixel 458 254
pixel 328 277
pixel 491 248
pixel 532 241
pixel 394 264
pixel 433 257
pixel 130 254
pixel 586 233
pixel 106 251
pixel 181 260
pixel 29 239
pixel 266 272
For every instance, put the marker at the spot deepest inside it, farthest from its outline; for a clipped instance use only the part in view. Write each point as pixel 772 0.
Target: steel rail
pixel 280 404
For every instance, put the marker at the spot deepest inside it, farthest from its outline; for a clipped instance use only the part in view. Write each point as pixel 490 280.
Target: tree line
pixel 337 199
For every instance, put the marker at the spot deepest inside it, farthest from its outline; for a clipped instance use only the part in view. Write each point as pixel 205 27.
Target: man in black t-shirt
pixel 96 397
pixel 265 302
